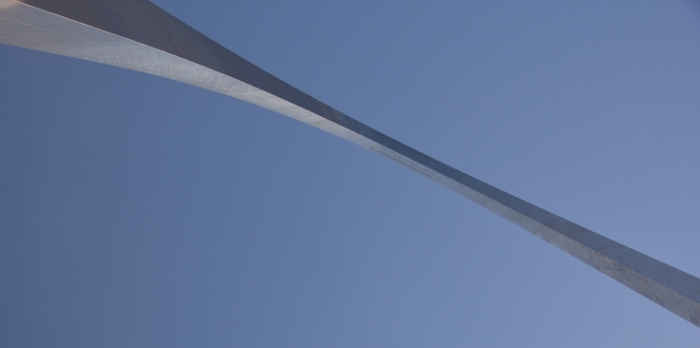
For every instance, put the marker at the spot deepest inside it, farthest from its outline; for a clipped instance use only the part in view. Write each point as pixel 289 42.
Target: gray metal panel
pixel 137 35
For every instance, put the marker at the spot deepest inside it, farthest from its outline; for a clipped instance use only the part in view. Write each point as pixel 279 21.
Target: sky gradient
pixel 139 212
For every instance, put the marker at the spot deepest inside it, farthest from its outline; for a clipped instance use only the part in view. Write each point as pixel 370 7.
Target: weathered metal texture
pixel 137 35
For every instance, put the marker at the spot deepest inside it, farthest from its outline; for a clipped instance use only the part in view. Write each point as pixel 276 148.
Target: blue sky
pixel 139 212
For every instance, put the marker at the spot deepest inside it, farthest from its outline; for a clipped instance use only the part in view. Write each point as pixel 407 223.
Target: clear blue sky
pixel 139 212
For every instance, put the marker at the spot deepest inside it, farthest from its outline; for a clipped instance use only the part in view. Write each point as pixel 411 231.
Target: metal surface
pixel 137 35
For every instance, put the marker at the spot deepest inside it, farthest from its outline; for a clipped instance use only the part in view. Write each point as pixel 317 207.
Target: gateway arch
pixel 138 35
